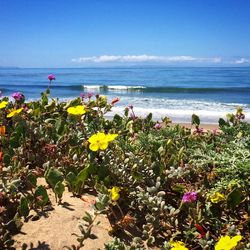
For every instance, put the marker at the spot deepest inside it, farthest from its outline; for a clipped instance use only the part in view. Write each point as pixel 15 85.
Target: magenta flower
pixel 82 95
pixel 51 77
pixel 189 197
pixel 198 130
pixel 89 95
pixel 18 96
pixel 157 126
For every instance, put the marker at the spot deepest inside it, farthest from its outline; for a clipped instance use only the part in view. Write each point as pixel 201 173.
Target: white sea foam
pixel 113 87
pixel 178 115
pixel 119 87
pixel 92 86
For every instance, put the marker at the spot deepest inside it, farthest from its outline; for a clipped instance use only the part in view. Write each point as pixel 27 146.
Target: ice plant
pixel 100 141
pixel 178 245
pixel 14 112
pixel 3 104
pixel 114 192
pixel 217 197
pixel 77 110
pixel 18 96
pixel 189 197
pixel 227 243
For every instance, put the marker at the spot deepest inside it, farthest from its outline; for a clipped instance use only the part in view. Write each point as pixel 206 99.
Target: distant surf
pixel 174 92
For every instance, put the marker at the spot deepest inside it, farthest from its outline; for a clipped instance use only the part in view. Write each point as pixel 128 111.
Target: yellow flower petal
pixel 3 104
pixel 115 193
pixel 77 110
pixel 227 243
pixel 178 245
pixel 101 140
pixel 14 112
pixel 111 137
pixel 94 147
pixel 217 197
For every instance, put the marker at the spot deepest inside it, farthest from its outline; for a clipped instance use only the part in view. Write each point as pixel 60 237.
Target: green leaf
pixel 60 124
pixel 53 176
pixel 14 140
pixel 42 192
pixel 59 189
pixel 71 179
pixel 6 159
pixel 32 179
pixel 83 175
pixel 234 198
pixel 195 120
pixel 222 122
pixel 24 207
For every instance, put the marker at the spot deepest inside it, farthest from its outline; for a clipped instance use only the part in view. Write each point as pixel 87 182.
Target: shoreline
pixel 206 126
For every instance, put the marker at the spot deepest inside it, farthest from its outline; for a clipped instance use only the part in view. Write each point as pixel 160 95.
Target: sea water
pixel 175 92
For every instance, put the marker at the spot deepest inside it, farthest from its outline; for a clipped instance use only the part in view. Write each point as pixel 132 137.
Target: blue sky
pixel 79 33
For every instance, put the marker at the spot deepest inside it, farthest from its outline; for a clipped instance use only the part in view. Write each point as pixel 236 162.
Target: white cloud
pixel 241 61
pixel 144 58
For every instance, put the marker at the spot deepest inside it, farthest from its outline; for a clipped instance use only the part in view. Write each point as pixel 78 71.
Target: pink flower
pixel 189 197
pixel 198 130
pixel 51 77
pixel 157 126
pixel 18 96
pixel 82 95
pixel 89 95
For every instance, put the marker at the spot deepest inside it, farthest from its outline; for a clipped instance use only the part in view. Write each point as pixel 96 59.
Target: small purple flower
pixel 82 95
pixel 157 126
pixel 131 107
pixel 18 96
pixel 198 130
pixel 51 77
pixel 189 197
pixel 89 95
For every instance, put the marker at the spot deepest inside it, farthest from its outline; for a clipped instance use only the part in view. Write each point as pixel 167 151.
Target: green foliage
pixel 151 169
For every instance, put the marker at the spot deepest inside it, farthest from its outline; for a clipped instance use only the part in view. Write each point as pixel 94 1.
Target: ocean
pixel 176 92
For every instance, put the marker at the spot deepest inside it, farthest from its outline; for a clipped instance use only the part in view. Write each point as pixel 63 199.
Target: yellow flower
pixel 77 110
pixel 111 137
pixel 178 245
pixel 100 141
pixel 227 243
pixel 217 197
pixel 3 104
pixel 115 193
pixel 14 112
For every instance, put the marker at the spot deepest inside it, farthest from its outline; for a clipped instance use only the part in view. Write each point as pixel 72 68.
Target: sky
pixel 83 33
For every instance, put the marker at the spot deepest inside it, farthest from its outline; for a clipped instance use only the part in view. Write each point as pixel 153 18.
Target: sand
pixel 204 126
pixel 54 229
